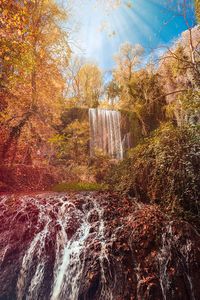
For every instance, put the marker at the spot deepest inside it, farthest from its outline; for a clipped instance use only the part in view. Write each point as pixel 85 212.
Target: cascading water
pixel 170 242
pixel 105 132
pixel 94 246
pixel 69 248
pixel 63 234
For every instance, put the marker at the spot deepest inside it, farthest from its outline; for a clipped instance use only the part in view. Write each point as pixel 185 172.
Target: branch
pixel 172 93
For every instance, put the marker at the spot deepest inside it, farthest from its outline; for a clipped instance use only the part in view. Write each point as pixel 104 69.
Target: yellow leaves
pixel 42 53
pixel 5 12
pixel 6 58
pixel 18 19
pixel 19 32
pixel 89 82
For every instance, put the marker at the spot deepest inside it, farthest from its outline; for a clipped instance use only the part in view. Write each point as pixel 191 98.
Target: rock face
pixel 94 246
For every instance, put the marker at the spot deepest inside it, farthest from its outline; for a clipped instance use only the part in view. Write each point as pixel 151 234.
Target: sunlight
pixel 104 25
pixel 99 149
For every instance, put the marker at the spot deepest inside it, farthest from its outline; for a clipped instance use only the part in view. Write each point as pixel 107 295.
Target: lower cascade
pixel 94 246
pixel 105 132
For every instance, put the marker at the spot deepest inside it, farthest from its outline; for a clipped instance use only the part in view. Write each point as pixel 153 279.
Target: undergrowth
pixel 164 169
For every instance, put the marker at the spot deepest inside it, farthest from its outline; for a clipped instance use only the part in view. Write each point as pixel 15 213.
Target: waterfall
pixel 69 244
pixel 105 132
pixel 94 246
pixel 67 228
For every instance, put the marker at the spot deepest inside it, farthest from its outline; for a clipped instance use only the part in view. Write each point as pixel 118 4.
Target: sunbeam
pixel 99 149
pixel 104 26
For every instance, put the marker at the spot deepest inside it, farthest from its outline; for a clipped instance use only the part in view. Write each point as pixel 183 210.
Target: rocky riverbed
pixel 94 246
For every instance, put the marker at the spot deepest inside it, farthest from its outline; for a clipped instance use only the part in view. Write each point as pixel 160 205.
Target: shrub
pixel 164 169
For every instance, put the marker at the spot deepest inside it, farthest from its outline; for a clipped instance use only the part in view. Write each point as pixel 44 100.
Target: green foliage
pixel 100 165
pixel 72 143
pixel 164 170
pixel 146 99
pixel 191 100
pixel 131 124
pixel 186 108
pixel 141 94
pixel 80 186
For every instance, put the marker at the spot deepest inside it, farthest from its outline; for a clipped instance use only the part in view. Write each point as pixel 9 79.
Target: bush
pixel 164 169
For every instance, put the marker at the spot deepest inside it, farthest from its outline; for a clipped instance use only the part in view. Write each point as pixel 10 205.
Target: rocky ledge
pixel 92 246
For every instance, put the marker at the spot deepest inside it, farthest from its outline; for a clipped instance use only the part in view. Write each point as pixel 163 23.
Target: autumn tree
pixel 85 84
pixel 139 89
pixel 112 91
pixel 36 82
pixel 180 76
pixel 13 27
pixel 128 59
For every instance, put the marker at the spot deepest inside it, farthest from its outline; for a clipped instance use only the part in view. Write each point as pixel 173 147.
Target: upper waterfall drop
pixel 105 132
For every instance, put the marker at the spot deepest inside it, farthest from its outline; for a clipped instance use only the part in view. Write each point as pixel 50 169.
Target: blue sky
pixel 98 30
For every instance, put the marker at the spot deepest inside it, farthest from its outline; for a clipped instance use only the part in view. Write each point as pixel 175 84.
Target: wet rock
pixel 94 246
pixel 94 217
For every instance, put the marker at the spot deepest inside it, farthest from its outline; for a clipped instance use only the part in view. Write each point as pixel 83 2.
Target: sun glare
pixel 102 26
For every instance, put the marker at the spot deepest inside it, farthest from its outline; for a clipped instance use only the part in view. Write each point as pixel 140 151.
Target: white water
pixel 170 242
pixel 81 239
pixel 105 132
pixel 70 251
